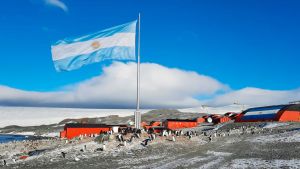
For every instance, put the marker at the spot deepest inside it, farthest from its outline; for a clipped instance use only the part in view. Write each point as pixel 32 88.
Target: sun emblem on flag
pixel 96 45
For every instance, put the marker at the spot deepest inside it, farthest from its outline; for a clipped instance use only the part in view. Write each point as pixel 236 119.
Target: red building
pixel 143 124
pixel 152 124
pixel 282 113
pixel 72 130
pixel 200 120
pixel 155 123
pixel 290 113
pixel 222 119
pixel 174 124
pixel 157 129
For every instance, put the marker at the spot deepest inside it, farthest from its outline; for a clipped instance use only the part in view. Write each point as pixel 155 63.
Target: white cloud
pixel 116 88
pixel 256 97
pixel 161 87
pixel 58 4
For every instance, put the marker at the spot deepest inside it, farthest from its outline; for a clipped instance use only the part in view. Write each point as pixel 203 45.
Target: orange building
pixel 155 123
pixel 174 124
pixel 282 113
pixel 72 130
pixel 290 113
pixel 143 124
pixel 222 119
pixel 200 120
pixel 152 124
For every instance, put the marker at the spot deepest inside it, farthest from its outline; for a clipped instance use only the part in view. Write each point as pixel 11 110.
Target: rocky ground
pixel 228 145
pixel 243 145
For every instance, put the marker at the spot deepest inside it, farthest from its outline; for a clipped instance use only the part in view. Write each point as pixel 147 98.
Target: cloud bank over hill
pixel 161 87
pixel 257 97
pixel 116 88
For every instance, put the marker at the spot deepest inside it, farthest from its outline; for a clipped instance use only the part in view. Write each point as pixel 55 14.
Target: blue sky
pixel 251 43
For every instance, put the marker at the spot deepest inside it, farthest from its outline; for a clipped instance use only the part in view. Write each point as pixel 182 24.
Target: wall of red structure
pixel 70 133
pixel 290 113
pixel 221 119
pixel 238 117
pixel 152 124
pixel 155 123
pixel 62 134
pixel 174 125
pixel 289 116
pixel 200 120
pixel 143 124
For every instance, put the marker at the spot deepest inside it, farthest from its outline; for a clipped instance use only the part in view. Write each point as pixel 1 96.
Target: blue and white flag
pixel 113 43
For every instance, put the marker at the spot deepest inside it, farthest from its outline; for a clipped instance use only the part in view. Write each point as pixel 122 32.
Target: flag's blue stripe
pixel 75 62
pixel 125 28
pixel 259 117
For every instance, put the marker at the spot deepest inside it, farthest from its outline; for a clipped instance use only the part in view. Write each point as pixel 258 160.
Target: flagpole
pixel 137 115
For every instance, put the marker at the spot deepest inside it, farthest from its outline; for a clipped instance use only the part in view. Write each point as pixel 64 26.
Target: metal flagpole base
pixel 137 119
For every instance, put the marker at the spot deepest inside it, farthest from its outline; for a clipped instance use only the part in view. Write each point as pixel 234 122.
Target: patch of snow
pixel 131 161
pixel 219 153
pixel 53 134
pixel 174 163
pixel 210 161
pixel 33 116
pixel 273 125
pixel 293 136
pixel 236 108
pixel 28 133
pixel 219 126
pixel 259 163
pixel 58 125
pixel 233 140
pixel 212 164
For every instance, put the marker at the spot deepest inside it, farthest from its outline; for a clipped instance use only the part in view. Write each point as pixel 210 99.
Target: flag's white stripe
pixel 75 62
pixel 80 48
pixel 262 112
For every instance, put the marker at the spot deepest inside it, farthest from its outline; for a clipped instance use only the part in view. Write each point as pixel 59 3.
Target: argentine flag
pixel 113 43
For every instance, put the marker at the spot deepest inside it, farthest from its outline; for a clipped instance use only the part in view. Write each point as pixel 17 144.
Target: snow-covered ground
pixel 292 136
pixel 260 163
pixel 273 125
pixel 32 116
pixel 236 108
pixel 231 150
pixel 28 133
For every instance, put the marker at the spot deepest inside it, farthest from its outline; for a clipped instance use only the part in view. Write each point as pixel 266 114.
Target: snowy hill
pixel 216 110
pixel 31 116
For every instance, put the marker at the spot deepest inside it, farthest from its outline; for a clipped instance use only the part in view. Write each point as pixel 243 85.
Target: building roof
pixel 265 108
pixel 293 107
pixel 290 107
pixel 80 125
pixel 266 113
pixel 182 120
